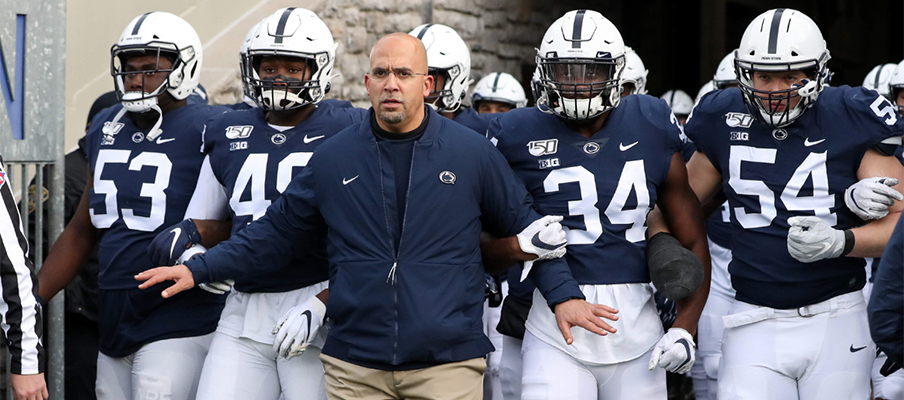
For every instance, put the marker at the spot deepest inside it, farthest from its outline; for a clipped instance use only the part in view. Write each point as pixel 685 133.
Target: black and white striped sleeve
pixel 19 309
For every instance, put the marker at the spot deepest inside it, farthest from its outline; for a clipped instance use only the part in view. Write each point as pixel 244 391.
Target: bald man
pixel 402 198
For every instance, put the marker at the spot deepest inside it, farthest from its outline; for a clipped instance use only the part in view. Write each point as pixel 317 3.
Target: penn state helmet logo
pixel 137 137
pixel 780 134
pixel 447 177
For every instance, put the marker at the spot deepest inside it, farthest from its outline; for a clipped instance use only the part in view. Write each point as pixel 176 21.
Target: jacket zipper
pixel 391 277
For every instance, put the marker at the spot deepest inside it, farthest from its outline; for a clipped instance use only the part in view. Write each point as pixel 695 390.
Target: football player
pixel 797 327
pixel 449 62
pixel 680 103
pixel 144 164
pixel 895 86
pixel 498 92
pixel 878 78
pixel 251 158
pixel 725 76
pixel 635 75
pixel 603 161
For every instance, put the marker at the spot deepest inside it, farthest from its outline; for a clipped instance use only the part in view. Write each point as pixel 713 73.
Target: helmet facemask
pixel 580 88
pixel 443 98
pixel 281 93
pixel 759 102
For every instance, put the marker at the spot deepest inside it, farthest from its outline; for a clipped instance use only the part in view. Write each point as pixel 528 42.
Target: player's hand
pixel 674 352
pixel 577 312
pixel 218 287
pixel 544 237
pixel 179 273
pixel 29 387
pixel 168 246
pixel 871 197
pixel 811 239
pixel 295 330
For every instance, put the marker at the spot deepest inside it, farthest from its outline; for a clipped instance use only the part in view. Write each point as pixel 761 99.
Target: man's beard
pixel 393 117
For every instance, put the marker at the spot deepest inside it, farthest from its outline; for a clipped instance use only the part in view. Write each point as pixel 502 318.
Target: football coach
pixel 402 198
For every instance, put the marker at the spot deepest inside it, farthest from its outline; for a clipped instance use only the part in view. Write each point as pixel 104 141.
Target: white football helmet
pixel 449 58
pixel 725 74
pixel 581 61
pixel 635 73
pixel 878 78
pixel 782 40
pixel 896 84
pixel 243 51
pixel 500 87
pixel 290 32
pixel 679 101
pixel 159 34
pixel 706 88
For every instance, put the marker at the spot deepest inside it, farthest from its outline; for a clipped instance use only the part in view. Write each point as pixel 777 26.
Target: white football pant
pixel 165 369
pixel 551 374
pixel 492 387
pixel 510 368
pixel 819 352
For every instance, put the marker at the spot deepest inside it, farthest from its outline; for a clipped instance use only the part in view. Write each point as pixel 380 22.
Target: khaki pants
pixel 461 380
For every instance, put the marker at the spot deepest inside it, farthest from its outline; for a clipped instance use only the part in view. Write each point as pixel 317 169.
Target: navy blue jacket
pixel 886 302
pixel 414 306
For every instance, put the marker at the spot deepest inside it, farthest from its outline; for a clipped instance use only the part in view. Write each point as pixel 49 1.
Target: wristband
pixel 848 242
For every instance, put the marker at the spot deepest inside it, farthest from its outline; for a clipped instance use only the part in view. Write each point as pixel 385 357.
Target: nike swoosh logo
pixel 808 143
pixel 347 181
pixel 307 313
pixel 622 147
pixel 177 232
pixel 311 139
pixel 853 350
pixel 535 240
pixel 162 140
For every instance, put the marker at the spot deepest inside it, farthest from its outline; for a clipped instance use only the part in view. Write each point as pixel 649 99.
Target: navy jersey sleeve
pixel 265 243
pixel 886 304
pixel 696 129
pixel 672 129
pixel 877 117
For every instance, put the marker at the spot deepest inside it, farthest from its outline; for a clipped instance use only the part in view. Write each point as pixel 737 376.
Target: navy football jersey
pixel 604 186
pixel 141 188
pixel 254 162
pixel 771 174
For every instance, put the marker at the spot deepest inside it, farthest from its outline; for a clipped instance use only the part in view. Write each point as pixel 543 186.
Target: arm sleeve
pixel 21 314
pixel 878 118
pixel 507 209
pixel 209 199
pixel 265 244
pixel 886 304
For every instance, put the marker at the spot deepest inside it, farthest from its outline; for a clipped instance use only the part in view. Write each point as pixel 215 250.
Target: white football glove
pixel 871 197
pixel 298 328
pixel 811 239
pixel 218 287
pixel 544 237
pixel 674 352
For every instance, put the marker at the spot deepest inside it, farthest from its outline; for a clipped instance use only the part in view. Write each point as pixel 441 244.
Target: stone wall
pixel 502 35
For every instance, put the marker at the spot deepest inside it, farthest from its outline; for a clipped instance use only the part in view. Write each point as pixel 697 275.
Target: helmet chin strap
pixel 155 131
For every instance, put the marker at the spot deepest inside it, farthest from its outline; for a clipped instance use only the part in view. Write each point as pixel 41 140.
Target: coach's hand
pixel 179 273
pixel 674 352
pixel 295 330
pixel 29 387
pixel 168 245
pixel 871 197
pixel 811 239
pixel 577 312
